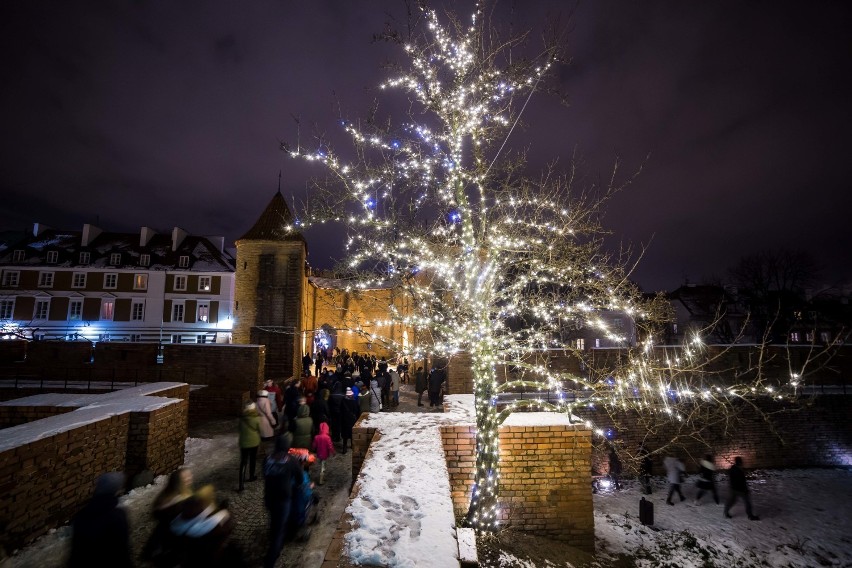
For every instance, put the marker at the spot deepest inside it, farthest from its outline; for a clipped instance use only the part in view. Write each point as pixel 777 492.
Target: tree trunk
pixel 482 513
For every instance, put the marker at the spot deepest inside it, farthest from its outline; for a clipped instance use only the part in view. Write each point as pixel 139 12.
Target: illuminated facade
pixel 105 286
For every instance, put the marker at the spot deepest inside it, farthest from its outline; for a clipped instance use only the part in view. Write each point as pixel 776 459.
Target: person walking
pixel 324 448
pixel 375 396
pixel 614 468
pixel 739 489
pixel 436 379
pixel 646 469
pixel 419 385
pixel 303 430
pixel 249 442
pixel 276 397
pixel 349 412
pixel 100 533
pixel 394 387
pixel 268 421
pixel 161 548
pixel 674 473
pixel 282 475
pixel 707 479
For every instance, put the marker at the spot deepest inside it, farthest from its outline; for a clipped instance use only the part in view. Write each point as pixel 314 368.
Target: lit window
pixel 825 336
pixel 85 257
pixel 581 344
pixel 795 337
pixel 597 343
pixel 11 278
pixel 203 312
pixel 144 260
pixel 204 283
pixel 45 280
pixel 137 311
pixel 110 280
pixel 809 337
pixel 183 262
pixel 41 309
pixel 75 310
pixel 78 280
pixel 140 282
pixel 18 256
pixel 115 258
pixel 177 312
pixel 176 338
pixel 7 308
pixel 52 257
pixel 180 282
pixel 107 310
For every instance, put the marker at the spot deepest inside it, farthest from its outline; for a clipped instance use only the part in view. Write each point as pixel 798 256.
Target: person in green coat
pixel 249 442
pixel 302 433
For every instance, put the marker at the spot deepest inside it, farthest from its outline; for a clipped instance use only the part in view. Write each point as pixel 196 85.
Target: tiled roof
pixel 273 223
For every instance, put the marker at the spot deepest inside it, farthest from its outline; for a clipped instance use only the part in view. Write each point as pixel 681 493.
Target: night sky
pixel 170 113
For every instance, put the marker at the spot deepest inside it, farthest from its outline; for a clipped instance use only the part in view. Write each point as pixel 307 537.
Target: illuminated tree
pixel 498 264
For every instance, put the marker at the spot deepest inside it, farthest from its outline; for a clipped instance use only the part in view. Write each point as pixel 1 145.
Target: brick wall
pixel 42 484
pixel 14 415
pixel 156 440
pixel 362 437
pixel 545 483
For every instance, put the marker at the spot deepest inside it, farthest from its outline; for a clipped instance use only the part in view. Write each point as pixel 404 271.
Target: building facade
pixel 106 286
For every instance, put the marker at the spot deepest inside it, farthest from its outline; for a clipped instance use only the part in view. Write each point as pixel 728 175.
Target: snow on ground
pixel 805 517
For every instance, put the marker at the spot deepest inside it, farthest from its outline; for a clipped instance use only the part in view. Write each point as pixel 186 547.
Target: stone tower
pixel 270 288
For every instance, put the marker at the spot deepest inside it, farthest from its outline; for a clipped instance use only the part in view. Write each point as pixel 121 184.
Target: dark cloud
pixel 171 113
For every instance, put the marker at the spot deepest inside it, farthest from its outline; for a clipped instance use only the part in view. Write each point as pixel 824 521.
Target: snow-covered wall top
pixel 81 400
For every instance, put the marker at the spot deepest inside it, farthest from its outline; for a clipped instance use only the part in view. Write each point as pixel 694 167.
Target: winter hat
pixel 109 483
pixel 349 392
pixel 283 442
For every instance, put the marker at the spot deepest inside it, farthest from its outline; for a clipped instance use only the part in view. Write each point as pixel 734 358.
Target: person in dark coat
pixel 319 409
pixel 739 489
pixel 100 531
pixel 162 548
pixel 291 401
pixel 335 402
pixel 307 363
pixel 646 469
pixel 419 385
pixel 707 479
pixel 436 379
pixel 282 475
pixel 203 530
pixel 614 468
pixel 349 412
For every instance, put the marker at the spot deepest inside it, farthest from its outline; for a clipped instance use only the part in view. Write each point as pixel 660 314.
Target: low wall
pixel 48 467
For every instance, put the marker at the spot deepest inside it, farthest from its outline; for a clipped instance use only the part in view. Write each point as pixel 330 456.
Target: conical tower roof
pixel 273 222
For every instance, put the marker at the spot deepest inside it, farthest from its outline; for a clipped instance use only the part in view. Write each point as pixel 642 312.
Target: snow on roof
pixel 402 511
pixel 47 427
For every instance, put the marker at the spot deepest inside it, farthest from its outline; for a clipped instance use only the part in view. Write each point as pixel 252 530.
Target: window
pixel 11 278
pixel 180 282
pixel 201 339
pixel 85 257
pixel 107 310
pixel 144 260
pixel 177 312
pixel 52 257
pixel 78 280
pixel 115 258
pixel 795 337
pixel 110 280
pixel 42 308
pixel 581 344
pixel 204 283
pixel 176 338
pixel 137 311
pixel 183 262
pixel 18 256
pixel 75 310
pixel 809 336
pixel 674 328
pixel 135 337
pixel 597 343
pixel 45 280
pixel 140 282
pixel 104 337
pixel 203 312
pixel 7 308
pixel 825 336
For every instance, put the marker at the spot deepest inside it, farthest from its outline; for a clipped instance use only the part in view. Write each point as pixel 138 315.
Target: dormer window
pixel 144 260
pixel 18 256
pixel 52 257
pixel 85 257
pixel 183 262
pixel 115 258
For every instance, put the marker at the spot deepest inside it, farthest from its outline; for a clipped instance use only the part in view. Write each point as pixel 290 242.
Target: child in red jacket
pixel 324 448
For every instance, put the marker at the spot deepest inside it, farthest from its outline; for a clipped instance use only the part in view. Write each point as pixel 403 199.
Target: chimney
pixel 39 228
pixel 145 235
pixel 178 235
pixel 90 233
pixel 218 242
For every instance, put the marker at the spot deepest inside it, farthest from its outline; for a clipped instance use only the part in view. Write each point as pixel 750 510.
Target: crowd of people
pixel 307 422
pixel 676 474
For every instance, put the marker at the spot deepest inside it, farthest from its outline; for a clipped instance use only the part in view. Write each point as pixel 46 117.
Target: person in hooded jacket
pixel 203 530
pixel 319 408
pixel 419 385
pixel 291 401
pixel 268 421
pixel 335 402
pixel 375 396
pixel 324 448
pixel 282 476
pixel 674 473
pixel 100 531
pixel 303 430
pixel 393 385
pixel 349 413
pixel 707 479
pixel 249 441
